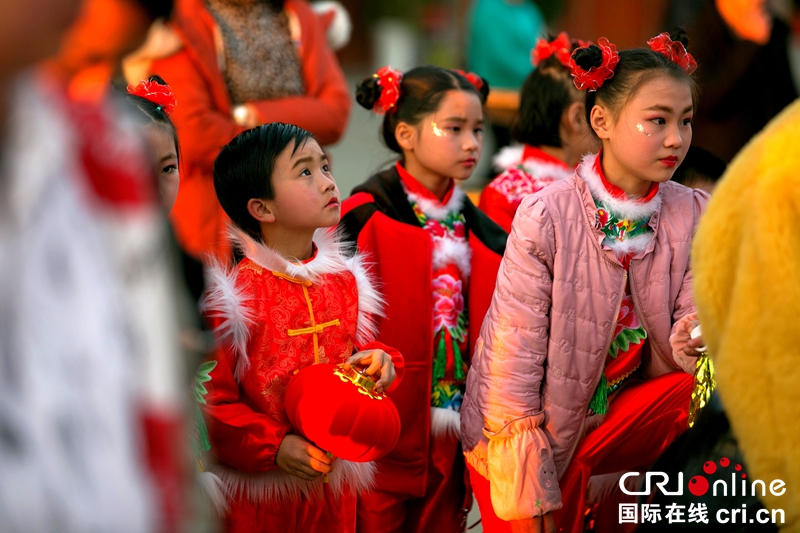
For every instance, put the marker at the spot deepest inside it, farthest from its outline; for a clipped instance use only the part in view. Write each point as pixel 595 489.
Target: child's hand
pixel 696 346
pixel 300 458
pixel 379 364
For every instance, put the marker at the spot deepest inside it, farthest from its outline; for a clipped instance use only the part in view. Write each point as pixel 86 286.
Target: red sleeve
pixel 202 129
pixel 397 360
pixel 325 107
pixel 239 436
pixel 497 207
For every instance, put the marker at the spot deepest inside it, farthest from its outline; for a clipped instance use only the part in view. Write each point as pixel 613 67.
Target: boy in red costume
pixel 294 300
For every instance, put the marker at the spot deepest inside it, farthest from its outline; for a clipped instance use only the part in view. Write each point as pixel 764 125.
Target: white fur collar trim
pixel 277 485
pixel 436 210
pixel 625 209
pixel 507 157
pixel 330 258
pixel 546 170
pixel 224 299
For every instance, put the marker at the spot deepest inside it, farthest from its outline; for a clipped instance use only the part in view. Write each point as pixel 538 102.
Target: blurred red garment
pixel 205 115
pixel 91 382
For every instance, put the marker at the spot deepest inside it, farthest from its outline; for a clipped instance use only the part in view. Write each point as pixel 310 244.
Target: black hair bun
pixel 588 57
pixel 368 92
pixel 155 78
pixel 484 90
pixel 678 34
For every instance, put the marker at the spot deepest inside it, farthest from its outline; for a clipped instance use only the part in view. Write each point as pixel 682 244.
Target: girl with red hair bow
pixel 550 127
pixel 436 256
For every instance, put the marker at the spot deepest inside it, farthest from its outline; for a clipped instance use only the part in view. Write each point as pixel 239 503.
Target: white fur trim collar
pixel 224 299
pixel 507 157
pixel 626 209
pixel 277 485
pixel 546 170
pixel 330 258
pixel 434 209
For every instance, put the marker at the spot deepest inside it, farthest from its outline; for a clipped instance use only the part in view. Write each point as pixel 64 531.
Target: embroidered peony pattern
pixel 448 305
pixel 449 311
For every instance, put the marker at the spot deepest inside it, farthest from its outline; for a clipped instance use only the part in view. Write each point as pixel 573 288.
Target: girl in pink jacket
pixel 578 370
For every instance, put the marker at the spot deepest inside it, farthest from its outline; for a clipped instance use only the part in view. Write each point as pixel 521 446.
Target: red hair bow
pixel 389 82
pixel 155 92
pixel 674 51
pixel 473 78
pixel 592 79
pixel 561 47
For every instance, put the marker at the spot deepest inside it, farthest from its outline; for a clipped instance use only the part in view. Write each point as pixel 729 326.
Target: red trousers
pixel 330 514
pixel 641 423
pixel 443 509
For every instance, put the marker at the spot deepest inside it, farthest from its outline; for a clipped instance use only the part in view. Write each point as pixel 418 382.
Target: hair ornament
pixel 159 94
pixel 561 47
pixel 675 51
pixel 593 78
pixel 389 81
pixel 473 78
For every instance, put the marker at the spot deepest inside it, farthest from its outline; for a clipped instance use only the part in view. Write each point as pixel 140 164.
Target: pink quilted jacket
pixel 543 343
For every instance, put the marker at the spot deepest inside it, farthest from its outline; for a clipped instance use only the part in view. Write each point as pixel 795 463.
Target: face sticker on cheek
pixel 642 130
pixel 439 132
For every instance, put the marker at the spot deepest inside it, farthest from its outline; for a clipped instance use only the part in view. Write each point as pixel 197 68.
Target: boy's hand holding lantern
pixel 341 408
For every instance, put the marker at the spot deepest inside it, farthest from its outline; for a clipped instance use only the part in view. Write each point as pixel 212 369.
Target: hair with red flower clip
pixel 473 78
pixel 592 65
pixel 389 81
pixel 410 96
pixel 155 90
pixel 674 50
pixel 560 47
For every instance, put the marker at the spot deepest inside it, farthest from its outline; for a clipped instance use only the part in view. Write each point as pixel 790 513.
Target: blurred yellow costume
pixel 747 288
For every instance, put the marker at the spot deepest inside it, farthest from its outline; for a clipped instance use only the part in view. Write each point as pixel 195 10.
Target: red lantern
pixel 339 412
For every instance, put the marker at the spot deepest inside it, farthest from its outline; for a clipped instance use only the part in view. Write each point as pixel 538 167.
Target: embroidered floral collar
pixel 426 201
pixel 414 186
pixel 618 192
pixel 613 198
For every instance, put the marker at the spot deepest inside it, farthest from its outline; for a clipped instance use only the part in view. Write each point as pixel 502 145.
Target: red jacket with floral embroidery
pixel 380 219
pixel 272 318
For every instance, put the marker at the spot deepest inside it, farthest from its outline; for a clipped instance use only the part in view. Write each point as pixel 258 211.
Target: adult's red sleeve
pixel 202 129
pixel 325 107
